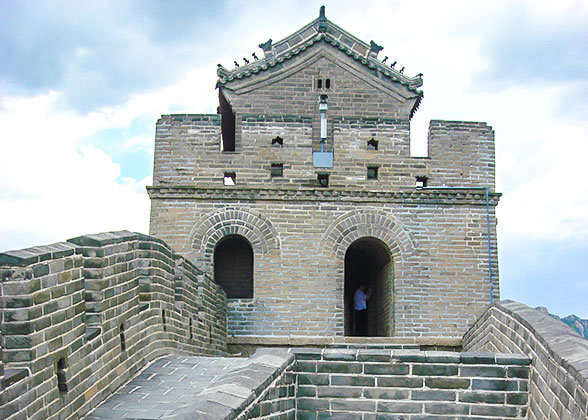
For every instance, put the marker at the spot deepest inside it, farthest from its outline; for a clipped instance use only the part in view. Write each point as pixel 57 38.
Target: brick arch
pixel 212 227
pixel 358 224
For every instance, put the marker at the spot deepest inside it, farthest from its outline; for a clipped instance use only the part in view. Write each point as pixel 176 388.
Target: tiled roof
pixel 315 32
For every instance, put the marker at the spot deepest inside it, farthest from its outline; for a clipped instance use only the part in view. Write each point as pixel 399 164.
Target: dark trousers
pixel 361 323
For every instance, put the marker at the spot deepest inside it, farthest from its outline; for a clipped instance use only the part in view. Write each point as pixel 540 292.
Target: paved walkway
pixel 175 384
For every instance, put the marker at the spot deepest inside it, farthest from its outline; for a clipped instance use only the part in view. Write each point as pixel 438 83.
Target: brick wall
pixel 82 317
pixel 278 401
pixel 187 152
pixel 410 385
pixel 299 232
pixel 558 386
pixel 438 250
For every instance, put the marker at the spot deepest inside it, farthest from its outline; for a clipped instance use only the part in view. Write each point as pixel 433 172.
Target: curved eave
pixel 416 105
pixel 227 76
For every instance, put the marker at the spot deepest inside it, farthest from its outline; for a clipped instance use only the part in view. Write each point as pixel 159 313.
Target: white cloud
pixel 56 186
pixel 53 188
pixel 55 182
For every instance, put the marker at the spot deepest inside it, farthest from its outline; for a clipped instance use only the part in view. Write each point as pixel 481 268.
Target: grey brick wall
pixel 558 387
pixel 187 152
pixel 277 402
pixel 438 249
pixel 410 384
pixel 82 317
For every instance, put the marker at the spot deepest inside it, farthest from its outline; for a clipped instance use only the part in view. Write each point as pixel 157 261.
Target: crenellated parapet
pixel 558 385
pixel 79 318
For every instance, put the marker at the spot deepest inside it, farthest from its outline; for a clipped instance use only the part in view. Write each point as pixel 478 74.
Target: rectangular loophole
pixel 123 344
pixel 277 170
pixel 323 180
pixel 421 181
pixel 372 172
pixel 230 178
pixel 60 372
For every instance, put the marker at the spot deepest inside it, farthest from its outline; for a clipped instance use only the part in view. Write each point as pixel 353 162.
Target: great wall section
pixel 267 218
pixel 82 318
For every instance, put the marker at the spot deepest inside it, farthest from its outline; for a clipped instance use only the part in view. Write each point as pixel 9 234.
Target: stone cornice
pixel 408 196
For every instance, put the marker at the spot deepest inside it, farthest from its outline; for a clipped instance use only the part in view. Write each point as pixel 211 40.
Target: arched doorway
pixel 233 267
pixel 368 261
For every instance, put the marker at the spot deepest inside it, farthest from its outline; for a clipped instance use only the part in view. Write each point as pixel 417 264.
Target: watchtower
pixel 302 186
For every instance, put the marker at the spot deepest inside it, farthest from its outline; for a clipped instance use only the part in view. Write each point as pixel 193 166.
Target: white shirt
pixel 359 300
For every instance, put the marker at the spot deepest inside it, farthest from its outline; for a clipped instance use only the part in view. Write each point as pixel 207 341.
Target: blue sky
pixel 82 84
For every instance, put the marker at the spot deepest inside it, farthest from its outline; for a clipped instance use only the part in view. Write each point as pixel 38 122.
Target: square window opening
pixel 323 180
pixel 421 181
pixel 277 170
pixel 230 178
pixel 372 172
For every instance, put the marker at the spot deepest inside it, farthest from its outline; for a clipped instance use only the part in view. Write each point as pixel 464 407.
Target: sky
pixel 82 84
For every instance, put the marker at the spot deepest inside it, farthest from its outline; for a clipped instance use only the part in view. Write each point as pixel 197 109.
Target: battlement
pixel 188 152
pixel 79 318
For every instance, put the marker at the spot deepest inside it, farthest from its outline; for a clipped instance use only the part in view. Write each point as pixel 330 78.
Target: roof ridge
pixel 225 75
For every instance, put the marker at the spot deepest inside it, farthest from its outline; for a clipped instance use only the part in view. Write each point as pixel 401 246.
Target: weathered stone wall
pixel 80 318
pixel 461 153
pixel 410 384
pixel 278 400
pixel 187 153
pixel 558 386
pixel 438 248
pixel 299 233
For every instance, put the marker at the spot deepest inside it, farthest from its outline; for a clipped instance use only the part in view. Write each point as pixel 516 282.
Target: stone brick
pixel 399 382
pixel 447 383
pixel 351 380
pixel 339 392
pixel 312 379
pixel 386 369
pixel 433 395
pixel 338 367
pixel 399 407
pixel 435 370
pixel 352 405
pixel 494 385
pixel 483 371
pixel 385 394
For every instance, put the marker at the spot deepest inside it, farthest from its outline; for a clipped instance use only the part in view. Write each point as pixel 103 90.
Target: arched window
pixel 233 267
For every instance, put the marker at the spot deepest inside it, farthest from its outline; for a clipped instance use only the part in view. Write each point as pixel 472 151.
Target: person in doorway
pixel 360 299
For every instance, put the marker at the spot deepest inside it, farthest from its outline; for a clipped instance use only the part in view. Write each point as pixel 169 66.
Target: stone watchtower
pixel 303 186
